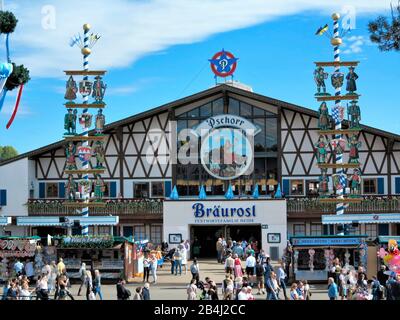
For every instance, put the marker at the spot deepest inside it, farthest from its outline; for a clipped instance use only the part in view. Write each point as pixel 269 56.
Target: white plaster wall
pixel 14 178
pixel 179 216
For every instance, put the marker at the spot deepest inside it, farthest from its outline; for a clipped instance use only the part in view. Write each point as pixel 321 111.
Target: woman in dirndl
pixel 237 267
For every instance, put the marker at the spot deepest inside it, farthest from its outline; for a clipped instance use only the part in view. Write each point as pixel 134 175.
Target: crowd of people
pixel 52 281
pixel 346 283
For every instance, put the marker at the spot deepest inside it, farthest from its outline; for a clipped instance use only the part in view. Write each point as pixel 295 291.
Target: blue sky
pixel 156 52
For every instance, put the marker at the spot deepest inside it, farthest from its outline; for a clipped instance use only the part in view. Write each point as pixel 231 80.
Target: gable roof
pixel 222 88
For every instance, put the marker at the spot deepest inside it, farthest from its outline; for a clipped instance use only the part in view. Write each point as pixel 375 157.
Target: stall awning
pixel 361 218
pixel 385 239
pixel 326 241
pixel 5 221
pixel 55 221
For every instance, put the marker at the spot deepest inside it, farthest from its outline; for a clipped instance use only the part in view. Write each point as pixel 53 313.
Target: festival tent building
pixel 139 177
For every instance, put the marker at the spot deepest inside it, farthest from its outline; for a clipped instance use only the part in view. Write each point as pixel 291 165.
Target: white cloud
pixel 354 44
pixel 132 29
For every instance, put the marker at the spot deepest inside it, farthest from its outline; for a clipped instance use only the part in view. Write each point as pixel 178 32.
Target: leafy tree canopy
pixel 386 32
pixel 7 152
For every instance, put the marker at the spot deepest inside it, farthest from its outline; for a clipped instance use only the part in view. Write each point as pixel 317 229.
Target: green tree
pixel 7 152
pixel 386 33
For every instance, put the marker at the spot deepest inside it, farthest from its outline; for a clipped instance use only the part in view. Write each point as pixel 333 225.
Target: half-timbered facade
pixel 140 173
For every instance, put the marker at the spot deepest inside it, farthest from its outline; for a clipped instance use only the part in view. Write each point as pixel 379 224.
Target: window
pixel 369 186
pixel 139 233
pixel 155 234
pixel 103 230
pixel 91 230
pixel 356 230
pixel 299 229
pixel 312 187
pixel 157 189
pixel 296 187
pixel 371 230
pixel 51 190
pixel 127 231
pixel 316 229
pixel 141 190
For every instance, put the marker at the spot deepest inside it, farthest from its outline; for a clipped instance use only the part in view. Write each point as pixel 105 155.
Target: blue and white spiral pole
pixel 85 165
pixel 336 41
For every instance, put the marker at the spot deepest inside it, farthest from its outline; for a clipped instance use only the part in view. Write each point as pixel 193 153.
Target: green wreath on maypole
pixel 12 76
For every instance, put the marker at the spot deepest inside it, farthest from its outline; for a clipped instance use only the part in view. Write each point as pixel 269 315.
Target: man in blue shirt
pixel 18 267
pixel 332 289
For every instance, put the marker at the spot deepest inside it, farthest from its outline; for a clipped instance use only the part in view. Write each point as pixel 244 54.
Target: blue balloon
pixel 5 69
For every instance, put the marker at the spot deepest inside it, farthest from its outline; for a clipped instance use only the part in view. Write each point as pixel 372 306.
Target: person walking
pixel 220 249
pixel 18 267
pixel 146 291
pixel 25 293
pixel 52 276
pixel 153 267
pixel 60 266
pixel 272 287
pixel 63 291
pixel 178 261
pixel 122 292
pixel 29 270
pixel 307 291
pixel 389 283
pixel 229 264
pixel 97 284
pixel 282 278
pixel 260 277
pixel 376 289
pixel 82 276
pixel 184 253
pixel 293 292
pixel 195 271
pixel 238 266
pixel 146 268
pixel 332 289
pixel 88 284
pixel 42 291
pixel 138 294
pixel 250 264
pixel 191 290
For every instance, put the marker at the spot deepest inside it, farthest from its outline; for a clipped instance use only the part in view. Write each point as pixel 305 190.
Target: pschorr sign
pixel 220 214
pixel 325 241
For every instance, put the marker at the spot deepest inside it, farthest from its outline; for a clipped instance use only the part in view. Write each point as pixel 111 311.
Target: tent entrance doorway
pixel 204 238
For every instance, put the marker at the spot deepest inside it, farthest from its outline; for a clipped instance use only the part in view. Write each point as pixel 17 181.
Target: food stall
pixel 114 257
pixel 313 255
pixel 13 248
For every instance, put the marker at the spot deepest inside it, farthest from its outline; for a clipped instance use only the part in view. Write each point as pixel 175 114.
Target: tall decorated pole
pixel 336 42
pixel 79 193
pixel 85 164
pixel 346 190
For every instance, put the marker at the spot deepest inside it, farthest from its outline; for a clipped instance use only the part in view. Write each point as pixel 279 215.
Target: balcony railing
pixel 55 207
pixel 125 206
pixel 369 204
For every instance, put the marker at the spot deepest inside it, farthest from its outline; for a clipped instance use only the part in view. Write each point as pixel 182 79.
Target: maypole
pixel 85 165
pixel 351 129
pixel 81 200
pixel 336 42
